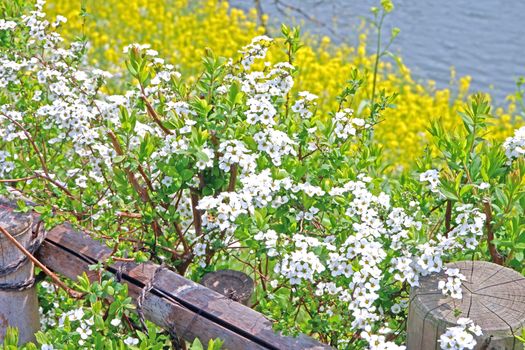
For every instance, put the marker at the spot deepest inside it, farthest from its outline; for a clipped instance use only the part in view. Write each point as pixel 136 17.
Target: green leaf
pixel 196 345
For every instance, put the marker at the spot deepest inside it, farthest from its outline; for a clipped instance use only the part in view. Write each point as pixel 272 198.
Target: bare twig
pixel 19 179
pixel 73 293
pixel 233 177
pixel 154 115
pixel 494 254
pixel 448 217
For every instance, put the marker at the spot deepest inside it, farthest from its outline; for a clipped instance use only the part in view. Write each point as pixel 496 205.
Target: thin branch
pixel 233 177
pixel 30 138
pixel 495 255
pixel 154 115
pixel 19 179
pixel 448 217
pixel 40 157
pixel 142 192
pixel 56 280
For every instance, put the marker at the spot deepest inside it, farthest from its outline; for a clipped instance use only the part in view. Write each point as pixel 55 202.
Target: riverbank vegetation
pixel 186 134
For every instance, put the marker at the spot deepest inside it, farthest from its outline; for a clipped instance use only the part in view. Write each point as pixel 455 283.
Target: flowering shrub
pixel 90 323
pixel 234 168
pixel 181 30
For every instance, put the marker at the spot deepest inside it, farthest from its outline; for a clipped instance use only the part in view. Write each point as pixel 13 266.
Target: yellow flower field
pixel 181 30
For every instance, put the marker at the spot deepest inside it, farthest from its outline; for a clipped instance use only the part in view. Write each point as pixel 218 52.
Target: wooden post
pixel 235 285
pixel 18 298
pixel 493 297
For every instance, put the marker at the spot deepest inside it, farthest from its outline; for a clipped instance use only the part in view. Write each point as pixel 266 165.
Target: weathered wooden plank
pixel 161 311
pixel 175 303
pixel 201 300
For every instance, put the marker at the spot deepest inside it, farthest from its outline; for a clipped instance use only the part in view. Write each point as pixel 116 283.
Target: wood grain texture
pixel 493 297
pixel 199 311
pixel 186 308
pixel 17 308
pixel 235 285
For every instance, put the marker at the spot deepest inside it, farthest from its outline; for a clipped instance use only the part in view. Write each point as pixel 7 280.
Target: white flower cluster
pixel 68 102
pixel 172 145
pixel 379 342
pixel 7 25
pixel 84 324
pixel 9 71
pixel 299 265
pixel 136 46
pixel 235 152
pixel 354 268
pixel 515 145
pixel 262 89
pixel 275 143
pixel 37 25
pixel 432 177
pixel 427 257
pixel 307 215
pixel 340 253
pixel 303 105
pixel 261 110
pixel 229 206
pixel 257 191
pixel 269 238
pixel 181 108
pixel 460 337
pixel 256 49
pixel 452 286
pixel 5 166
pixel 206 159
pixel 469 227
pixel 345 126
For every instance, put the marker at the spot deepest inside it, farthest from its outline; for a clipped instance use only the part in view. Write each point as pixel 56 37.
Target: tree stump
pixel 493 297
pixel 18 298
pixel 235 285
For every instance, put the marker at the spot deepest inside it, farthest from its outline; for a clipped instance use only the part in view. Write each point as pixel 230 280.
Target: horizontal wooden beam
pixel 175 303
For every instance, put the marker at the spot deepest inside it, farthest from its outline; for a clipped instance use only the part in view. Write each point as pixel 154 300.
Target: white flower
pixel 256 49
pixel 483 186
pixel 131 341
pixel 81 181
pixel 59 19
pixel 84 331
pixel 432 177
pixel 301 106
pixel 515 145
pixel 76 315
pixel 235 152
pixel 452 286
pixel 345 127
pixel 461 336
pixel 275 143
pixel 7 25
pixel 136 46
pixel 116 322
pixel 396 308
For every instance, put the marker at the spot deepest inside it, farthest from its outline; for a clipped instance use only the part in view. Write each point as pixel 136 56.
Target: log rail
pixel 181 306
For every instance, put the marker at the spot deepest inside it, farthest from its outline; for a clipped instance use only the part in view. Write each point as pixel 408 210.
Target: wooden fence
pixel 181 306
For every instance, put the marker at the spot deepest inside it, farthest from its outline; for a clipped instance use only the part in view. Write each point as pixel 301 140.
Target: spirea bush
pixel 236 169
pixel 181 30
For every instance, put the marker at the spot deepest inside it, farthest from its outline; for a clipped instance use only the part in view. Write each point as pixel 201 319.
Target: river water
pixel 481 38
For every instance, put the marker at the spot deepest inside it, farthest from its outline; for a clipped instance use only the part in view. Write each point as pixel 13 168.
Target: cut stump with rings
pixel 235 285
pixel 493 298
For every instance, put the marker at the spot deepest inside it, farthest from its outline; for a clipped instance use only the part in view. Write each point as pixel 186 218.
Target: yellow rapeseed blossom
pixel 181 30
